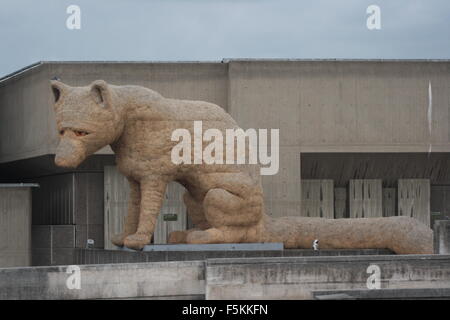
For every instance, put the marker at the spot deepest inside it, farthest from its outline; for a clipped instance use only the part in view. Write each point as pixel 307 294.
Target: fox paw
pixel 118 239
pixel 137 241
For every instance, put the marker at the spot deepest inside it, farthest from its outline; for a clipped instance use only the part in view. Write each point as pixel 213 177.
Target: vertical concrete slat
pixel 365 198
pixel 389 202
pixel 414 199
pixel 340 203
pixel 442 237
pixel 318 198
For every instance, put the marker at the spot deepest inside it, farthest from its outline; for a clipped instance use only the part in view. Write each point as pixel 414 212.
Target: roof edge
pixel 20 71
pixel 14 74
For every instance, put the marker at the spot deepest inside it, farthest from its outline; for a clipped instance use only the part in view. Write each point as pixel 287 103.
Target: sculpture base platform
pixel 212 247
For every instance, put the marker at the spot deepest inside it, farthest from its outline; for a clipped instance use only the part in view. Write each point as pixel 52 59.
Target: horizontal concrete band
pixel 113 281
pixel 384 294
pixel 94 256
pixel 298 277
pixel 250 278
pixel 211 247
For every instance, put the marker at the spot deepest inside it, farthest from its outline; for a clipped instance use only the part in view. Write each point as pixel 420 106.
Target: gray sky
pixel 167 30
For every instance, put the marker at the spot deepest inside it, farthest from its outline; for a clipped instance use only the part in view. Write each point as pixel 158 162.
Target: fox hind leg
pixel 234 210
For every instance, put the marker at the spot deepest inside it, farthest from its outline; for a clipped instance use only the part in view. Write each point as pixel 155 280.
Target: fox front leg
pixel 152 190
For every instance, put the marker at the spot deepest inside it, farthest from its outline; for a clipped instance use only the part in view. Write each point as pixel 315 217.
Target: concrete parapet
pixel 384 294
pixel 297 278
pixel 89 256
pixel 244 278
pixel 112 281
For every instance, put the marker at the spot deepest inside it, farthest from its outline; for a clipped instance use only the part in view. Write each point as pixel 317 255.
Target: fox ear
pixel 101 94
pixel 58 89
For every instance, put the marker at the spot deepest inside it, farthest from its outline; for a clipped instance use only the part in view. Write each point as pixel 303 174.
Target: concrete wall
pixel 26 116
pixel 55 244
pixel 231 279
pixel 344 106
pixel 338 106
pixel 116 281
pixel 70 198
pixel 297 278
pixel 15 227
pixel 67 210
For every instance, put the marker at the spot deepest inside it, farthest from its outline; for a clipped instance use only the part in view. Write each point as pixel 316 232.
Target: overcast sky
pixel 167 30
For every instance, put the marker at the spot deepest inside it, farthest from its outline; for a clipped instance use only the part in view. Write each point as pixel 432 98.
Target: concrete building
pixel 368 136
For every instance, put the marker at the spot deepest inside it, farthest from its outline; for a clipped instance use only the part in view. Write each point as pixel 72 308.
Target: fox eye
pixel 61 132
pixel 80 133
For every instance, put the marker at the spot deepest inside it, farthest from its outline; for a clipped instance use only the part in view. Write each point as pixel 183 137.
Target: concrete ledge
pixel 244 278
pixel 384 294
pixel 297 278
pixel 211 247
pixel 94 256
pixel 114 281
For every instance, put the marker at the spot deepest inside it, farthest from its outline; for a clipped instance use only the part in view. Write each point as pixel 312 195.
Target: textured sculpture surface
pixel 225 202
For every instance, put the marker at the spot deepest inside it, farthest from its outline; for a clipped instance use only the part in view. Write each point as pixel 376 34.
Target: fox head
pixel 87 119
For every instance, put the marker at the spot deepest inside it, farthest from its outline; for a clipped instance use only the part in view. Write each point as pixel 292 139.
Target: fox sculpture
pixel 224 201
